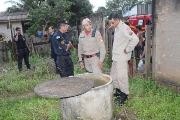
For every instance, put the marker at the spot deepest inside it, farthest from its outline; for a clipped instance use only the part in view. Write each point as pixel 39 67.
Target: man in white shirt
pixel 125 41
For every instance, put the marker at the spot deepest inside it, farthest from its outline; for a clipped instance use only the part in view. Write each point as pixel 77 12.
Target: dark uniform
pixel 22 52
pixel 64 62
pixel 53 55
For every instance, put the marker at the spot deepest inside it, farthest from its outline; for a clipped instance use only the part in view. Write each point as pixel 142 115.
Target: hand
pixel 125 51
pixel 81 65
pixel 100 64
pixel 68 46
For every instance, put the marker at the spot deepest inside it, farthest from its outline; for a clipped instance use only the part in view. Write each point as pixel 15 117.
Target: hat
pixel 64 22
pixel 85 21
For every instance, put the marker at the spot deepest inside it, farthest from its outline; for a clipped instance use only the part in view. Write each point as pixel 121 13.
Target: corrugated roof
pixel 17 16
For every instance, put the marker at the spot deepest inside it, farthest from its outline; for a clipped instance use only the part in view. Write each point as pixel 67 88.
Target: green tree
pixel 23 5
pixel 79 9
pixel 103 10
pixel 119 5
pixel 49 12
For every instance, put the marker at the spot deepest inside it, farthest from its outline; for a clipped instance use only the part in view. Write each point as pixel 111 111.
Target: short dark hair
pixel 18 28
pixel 63 22
pixel 52 27
pixel 114 16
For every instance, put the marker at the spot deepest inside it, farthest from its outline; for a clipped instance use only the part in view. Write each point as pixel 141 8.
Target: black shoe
pixel 117 96
pixel 117 92
pixel 120 97
pixel 123 98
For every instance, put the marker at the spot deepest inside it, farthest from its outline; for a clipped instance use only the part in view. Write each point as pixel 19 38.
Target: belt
pixel 89 56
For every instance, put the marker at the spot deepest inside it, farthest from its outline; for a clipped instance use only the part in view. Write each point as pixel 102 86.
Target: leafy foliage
pixel 119 5
pixel 79 9
pixel 46 14
pixel 104 11
pixel 49 12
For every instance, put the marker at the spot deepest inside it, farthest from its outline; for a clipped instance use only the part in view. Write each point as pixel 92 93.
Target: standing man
pixel 90 46
pixel 21 49
pixel 61 47
pixel 51 34
pixel 125 41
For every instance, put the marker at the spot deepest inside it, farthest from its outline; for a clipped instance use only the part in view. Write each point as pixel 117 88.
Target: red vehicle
pixel 139 20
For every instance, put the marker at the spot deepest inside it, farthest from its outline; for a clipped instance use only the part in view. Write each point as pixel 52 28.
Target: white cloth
pixel 119 75
pixel 124 39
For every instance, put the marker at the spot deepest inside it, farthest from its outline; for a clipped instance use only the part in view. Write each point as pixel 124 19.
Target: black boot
pixel 123 98
pixel 120 97
pixel 117 96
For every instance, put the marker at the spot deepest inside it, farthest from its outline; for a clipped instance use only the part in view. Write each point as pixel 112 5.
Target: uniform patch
pixel 58 37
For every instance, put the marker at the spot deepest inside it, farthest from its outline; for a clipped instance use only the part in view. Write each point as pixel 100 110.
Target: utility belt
pixel 89 56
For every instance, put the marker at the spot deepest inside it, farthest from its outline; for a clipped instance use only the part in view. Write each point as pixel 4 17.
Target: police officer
pixel 51 34
pixel 125 41
pixel 91 48
pixel 21 49
pixel 61 47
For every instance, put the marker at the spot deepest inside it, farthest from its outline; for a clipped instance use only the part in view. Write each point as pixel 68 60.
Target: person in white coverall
pixel 125 41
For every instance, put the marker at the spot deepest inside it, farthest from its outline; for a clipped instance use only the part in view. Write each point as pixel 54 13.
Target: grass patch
pixel 29 109
pixel 152 102
pixel 14 82
pixel 147 100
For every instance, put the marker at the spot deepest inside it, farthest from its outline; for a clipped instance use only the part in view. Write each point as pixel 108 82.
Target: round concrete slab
pixel 64 88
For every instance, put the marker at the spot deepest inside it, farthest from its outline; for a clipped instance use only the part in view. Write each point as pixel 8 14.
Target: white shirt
pixel 124 39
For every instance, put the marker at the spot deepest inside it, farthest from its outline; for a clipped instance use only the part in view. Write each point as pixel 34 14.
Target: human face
pixel 50 30
pixel 18 31
pixel 87 27
pixel 114 23
pixel 64 28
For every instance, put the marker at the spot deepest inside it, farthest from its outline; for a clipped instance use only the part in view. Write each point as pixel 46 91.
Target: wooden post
pixel 148 51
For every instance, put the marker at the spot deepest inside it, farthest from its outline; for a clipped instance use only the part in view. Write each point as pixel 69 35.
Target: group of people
pixel 60 49
pixel 91 52
pixel 91 49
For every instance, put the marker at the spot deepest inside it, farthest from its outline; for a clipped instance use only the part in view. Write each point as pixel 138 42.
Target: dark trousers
pixel 54 56
pixel 65 66
pixel 21 56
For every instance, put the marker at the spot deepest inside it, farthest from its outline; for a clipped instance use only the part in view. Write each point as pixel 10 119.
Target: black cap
pixel 64 22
